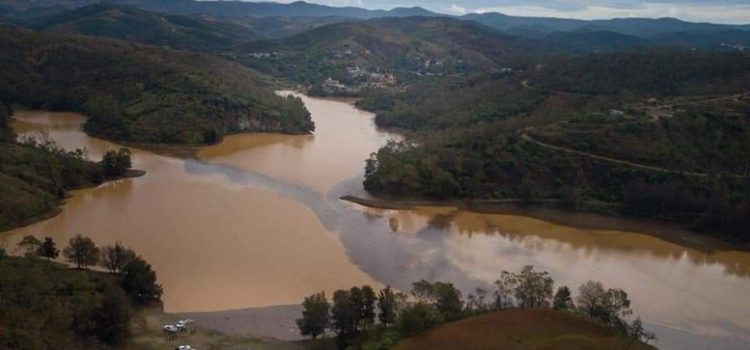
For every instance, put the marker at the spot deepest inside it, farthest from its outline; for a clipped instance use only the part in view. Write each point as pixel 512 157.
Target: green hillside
pixel 138 93
pixel 128 23
pixel 424 46
pixel 44 305
pixel 668 144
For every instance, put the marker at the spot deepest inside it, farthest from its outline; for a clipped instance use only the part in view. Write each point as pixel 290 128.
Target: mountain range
pixel 527 26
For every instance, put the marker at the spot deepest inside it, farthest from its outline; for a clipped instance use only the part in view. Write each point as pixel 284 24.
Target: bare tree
pixel 113 258
pixel 81 251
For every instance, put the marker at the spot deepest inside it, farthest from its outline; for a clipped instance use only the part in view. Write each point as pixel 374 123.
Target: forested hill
pixel 138 93
pixel 129 23
pixel 416 45
pixel 656 134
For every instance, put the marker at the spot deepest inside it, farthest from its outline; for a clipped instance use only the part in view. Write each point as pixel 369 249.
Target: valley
pixel 304 176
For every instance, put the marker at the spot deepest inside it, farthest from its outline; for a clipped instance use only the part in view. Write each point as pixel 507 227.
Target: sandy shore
pixel 275 322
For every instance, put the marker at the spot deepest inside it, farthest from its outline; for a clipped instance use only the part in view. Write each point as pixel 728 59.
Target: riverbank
pixel 274 322
pixel 587 215
pixel 57 209
pixel 147 334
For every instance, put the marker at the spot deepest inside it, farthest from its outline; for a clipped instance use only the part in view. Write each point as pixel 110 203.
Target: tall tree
pixel 607 306
pixel 29 246
pixel 533 288
pixel 388 306
pixel 443 296
pixel 563 300
pixel 49 249
pixel 343 314
pixel 504 292
pixel 138 280
pixel 315 315
pixel 82 251
pixel 357 299
pixel 113 258
pixel 367 307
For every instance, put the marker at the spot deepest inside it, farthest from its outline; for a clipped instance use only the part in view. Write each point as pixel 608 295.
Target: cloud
pixel 457 10
pixel 717 11
pixel 692 11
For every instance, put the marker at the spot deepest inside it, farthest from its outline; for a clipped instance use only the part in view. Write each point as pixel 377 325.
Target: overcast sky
pixel 717 11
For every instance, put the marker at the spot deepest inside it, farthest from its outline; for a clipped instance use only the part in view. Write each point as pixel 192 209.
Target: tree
pixel 367 307
pixel 112 318
pixel 113 258
pixel 563 300
pixel 343 314
pixel 529 288
pixel 116 163
pixel 504 292
pixel 315 317
pixel 476 302
pixel 49 249
pixel 418 318
pixel 533 288
pixel 138 280
pixel 443 296
pixel 29 246
pixel 607 306
pixel 637 332
pixel 389 304
pixel 82 251
pixel 356 298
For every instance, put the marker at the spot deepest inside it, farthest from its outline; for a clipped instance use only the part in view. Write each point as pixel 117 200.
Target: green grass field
pixel 521 330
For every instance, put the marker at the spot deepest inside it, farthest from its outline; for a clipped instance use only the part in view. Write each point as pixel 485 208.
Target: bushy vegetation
pixel 655 72
pixel 451 104
pixel 352 315
pixel 46 305
pixel 137 93
pixel 680 158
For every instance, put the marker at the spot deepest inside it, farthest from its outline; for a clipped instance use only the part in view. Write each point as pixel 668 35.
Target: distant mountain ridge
pixel 130 23
pixel 532 26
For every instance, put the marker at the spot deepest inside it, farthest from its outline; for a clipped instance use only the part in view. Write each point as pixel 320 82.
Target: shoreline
pixel 589 215
pixel 271 322
pixel 57 209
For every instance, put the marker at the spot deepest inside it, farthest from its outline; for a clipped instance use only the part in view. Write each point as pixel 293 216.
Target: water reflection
pixel 249 223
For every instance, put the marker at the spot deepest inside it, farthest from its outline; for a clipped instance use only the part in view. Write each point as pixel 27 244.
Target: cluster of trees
pixel 354 313
pixel 445 104
pixel 116 163
pixel 47 305
pixel 659 72
pixel 135 275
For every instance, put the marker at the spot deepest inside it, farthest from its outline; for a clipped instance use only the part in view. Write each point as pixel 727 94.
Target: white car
pixel 182 324
pixel 185 347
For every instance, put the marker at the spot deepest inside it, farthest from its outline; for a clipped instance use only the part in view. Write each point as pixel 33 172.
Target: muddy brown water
pixel 256 221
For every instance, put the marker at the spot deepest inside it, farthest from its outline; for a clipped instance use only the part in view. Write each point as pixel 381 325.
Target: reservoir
pixel 257 221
